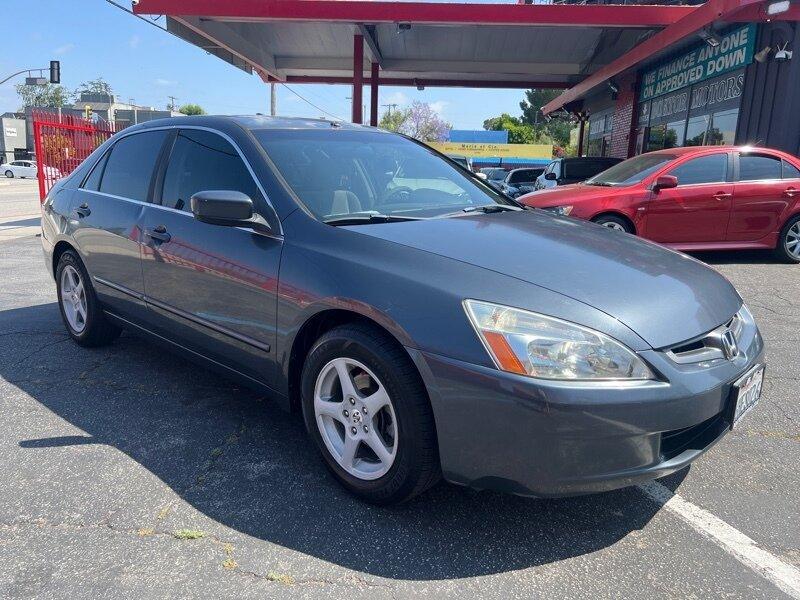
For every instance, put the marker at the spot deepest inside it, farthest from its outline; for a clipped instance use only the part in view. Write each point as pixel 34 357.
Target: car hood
pixel 564 194
pixel 663 296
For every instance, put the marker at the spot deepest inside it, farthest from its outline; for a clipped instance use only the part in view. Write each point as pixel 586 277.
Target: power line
pixel 150 22
pixel 322 110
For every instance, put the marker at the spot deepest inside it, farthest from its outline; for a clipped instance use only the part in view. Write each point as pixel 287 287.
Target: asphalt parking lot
pixel 128 472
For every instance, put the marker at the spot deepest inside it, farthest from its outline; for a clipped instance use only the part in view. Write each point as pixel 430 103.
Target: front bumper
pixel 511 433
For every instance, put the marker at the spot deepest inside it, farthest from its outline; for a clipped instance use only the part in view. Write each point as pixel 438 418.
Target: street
pixel 132 473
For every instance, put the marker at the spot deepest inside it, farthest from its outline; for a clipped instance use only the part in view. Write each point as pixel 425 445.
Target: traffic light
pixel 55 71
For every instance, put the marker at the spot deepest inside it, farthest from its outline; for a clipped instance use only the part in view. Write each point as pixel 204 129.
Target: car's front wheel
pixel 615 223
pixel 10 174
pixel 80 309
pixel 788 248
pixel 368 413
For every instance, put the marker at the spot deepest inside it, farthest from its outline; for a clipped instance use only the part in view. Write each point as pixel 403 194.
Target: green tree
pixel 532 105
pixel 93 86
pixel 392 121
pixel 192 109
pixel 518 132
pixel 48 95
pixel 419 121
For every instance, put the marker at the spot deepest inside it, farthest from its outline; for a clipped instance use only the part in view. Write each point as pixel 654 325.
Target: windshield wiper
pixel 491 208
pixel 360 219
pixel 602 183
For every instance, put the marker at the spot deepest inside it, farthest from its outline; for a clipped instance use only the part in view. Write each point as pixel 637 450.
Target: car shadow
pixel 243 462
pixel 737 257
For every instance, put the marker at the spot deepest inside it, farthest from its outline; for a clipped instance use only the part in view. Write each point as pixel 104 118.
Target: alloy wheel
pixel 793 240
pixel 356 418
pixel 73 298
pixel 613 225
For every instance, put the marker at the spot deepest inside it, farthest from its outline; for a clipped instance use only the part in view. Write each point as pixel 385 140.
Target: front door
pixel 698 209
pixel 209 287
pixel 762 196
pixel 105 217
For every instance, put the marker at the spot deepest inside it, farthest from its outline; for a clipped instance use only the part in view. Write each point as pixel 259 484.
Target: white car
pixel 27 168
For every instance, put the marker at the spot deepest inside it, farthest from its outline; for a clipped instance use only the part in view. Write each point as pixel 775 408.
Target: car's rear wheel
pixel 788 248
pixel 368 413
pixel 615 223
pixel 80 309
pixel 10 174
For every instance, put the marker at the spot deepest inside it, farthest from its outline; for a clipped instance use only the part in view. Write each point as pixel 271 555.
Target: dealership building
pixel 740 86
pixel 636 76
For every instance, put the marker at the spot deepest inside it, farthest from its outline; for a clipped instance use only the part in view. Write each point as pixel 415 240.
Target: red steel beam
pixel 700 17
pixel 408 82
pixel 359 11
pixel 373 95
pixel 358 78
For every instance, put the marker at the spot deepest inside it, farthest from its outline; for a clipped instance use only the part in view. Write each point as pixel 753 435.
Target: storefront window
pixel 696 130
pixel 673 137
pixel 595 147
pixel 723 128
pixel 655 141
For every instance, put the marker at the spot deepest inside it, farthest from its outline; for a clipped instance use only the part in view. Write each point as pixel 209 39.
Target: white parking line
pixel 733 541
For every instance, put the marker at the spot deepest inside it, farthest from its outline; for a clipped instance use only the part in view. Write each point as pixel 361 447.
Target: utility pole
pixel 171 105
pixel 273 100
pixel 390 107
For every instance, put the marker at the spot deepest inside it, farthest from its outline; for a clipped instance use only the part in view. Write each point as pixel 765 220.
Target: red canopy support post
pixel 581 132
pixel 373 95
pixel 358 77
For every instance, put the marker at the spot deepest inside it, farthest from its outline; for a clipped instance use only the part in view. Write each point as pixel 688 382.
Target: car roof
pixel 254 122
pixel 728 148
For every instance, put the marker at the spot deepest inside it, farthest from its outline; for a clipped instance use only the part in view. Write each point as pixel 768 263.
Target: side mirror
pixel 227 208
pixel 481 176
pixel 551 176
pixel 664 182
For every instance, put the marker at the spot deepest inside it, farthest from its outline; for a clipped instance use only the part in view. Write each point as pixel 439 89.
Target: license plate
pixel 747 392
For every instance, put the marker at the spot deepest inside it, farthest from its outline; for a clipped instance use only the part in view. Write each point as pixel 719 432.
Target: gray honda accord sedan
pixel 423 324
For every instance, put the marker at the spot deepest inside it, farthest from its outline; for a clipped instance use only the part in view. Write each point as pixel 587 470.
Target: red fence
pixel 61 142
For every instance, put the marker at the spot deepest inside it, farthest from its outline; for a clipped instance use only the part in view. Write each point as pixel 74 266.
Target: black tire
pixel 416 464
pixel 613 222
pixel 781 250
pixel 98 330
pixel 10 174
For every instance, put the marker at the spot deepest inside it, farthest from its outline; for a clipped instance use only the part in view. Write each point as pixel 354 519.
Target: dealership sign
pixel 734 51
pixel 494 150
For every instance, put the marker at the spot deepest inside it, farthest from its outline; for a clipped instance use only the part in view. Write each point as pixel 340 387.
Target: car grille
pixel 708 346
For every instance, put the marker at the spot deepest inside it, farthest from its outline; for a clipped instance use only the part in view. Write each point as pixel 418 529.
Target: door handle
pixel 83 210
pixel 158 233
pixel 722 195
pixel 791 192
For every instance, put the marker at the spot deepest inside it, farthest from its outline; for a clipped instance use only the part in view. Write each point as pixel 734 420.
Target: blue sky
pixel 93 39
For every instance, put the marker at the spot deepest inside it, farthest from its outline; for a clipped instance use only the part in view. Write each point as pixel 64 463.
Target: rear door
pixel 105 214
pixel 699 208
pixel 761 197
pixel 211 288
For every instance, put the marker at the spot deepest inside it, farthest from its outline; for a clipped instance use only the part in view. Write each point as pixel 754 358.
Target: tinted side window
pixel 129 167
pixel 754 167
pixel 790 171
pixel 706 169
pixel 201 161
pixel 582 169
pixel 93 181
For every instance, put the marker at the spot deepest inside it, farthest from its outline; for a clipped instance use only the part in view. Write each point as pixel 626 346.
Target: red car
pixel 696 198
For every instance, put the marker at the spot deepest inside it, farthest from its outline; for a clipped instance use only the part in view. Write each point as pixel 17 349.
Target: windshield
pixel 632 170
pixel 495 174
pixel 338 172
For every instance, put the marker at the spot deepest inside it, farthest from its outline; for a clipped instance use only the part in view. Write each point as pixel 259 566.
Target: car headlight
pixel 559 210
pixel 531 344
